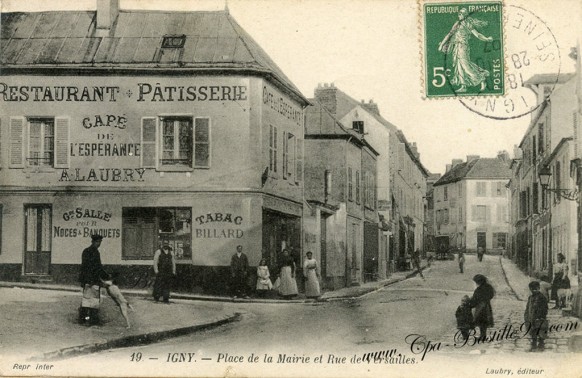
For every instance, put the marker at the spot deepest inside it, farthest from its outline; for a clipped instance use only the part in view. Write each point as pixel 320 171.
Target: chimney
pixel 107 11
pixel 414 149
pixel 503 156
pixel 327 96
pixel 455 162
pixel 472 157
pixel 448 168
pixel 371 106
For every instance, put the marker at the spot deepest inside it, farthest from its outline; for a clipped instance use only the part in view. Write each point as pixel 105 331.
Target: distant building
pixel 400 183
pixel 471 203
pixel 340 191
pixel 430 230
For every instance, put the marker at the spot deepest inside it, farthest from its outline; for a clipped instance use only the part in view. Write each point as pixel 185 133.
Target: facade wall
pixel 450 212
pixel 488 214
pixel 121 165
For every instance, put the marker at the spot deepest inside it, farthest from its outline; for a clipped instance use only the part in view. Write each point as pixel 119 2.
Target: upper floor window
pixel 498 189
pixel 39 142
pixel 481 189
pixel 273 148
pixel 350 184
pixel 184 142
pixel 446 193
pixel 358 126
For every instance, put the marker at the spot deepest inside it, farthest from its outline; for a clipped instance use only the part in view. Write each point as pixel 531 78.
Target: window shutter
pixel 148 142
pixel 202 143
pixel 473 212
pixel 62 142
pixel 299 161
pixel 0 167
pixel 16 142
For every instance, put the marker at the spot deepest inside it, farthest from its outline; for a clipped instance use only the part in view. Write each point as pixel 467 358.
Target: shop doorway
pixel 37 236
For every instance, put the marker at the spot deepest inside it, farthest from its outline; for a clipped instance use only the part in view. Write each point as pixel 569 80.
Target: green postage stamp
pixel 463 48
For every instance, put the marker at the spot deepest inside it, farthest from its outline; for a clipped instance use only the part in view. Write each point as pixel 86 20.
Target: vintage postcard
pixel 350 188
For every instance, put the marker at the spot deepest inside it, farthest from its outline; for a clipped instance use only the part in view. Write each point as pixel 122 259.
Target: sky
pixel 370 49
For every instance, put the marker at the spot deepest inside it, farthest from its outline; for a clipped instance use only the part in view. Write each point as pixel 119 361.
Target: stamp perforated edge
pixel 421 44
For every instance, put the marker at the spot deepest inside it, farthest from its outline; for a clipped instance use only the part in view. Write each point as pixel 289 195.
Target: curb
pixel 134 340
pixel 507 280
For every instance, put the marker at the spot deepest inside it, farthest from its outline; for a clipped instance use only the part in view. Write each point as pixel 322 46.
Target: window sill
pixel 39 170
pixel 175 169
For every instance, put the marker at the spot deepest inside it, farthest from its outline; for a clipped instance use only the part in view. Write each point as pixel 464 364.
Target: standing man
pixel 239 267
pixel 90 278
pixel 165 270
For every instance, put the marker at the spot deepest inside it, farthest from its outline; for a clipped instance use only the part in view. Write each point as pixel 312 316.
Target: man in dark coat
pixel 90 278
pixel 535 316
pixel 165 270
pixel 239 267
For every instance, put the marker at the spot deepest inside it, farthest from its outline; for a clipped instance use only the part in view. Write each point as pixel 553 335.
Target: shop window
pixel 39 142
pixel 499 240
pixel 146 228
pixel 184 143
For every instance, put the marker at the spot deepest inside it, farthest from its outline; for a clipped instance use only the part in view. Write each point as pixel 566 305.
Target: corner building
pixel 144 126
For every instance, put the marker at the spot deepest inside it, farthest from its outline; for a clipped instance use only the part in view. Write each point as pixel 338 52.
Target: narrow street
pixel 379 321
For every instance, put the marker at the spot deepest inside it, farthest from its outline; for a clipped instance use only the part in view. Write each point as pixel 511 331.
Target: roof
pixel 557 149
pixel 345 104
pixel 482 168
pixel 68 39
pixel 321 124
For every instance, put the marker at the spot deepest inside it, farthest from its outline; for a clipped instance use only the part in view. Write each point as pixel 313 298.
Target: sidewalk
pixel 42 324
pixel 39 321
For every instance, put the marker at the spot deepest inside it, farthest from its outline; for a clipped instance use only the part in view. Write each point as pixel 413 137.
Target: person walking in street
pixel 165 270
pixel 264 283
pixel 480 253
pixel 287 283
pixel 561 280
pixel 311 274
pixel 481 304
pixel 239 269
pixel 416 262
pixel 535 314
pixel 90 278
pixel 461 257
pixel 464 317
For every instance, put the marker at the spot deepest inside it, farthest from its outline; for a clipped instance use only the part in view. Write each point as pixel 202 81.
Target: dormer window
pixel 358 126
pixel 173 41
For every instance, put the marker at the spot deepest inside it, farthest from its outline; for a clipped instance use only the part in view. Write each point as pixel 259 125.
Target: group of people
pixel 285 283
pixel 93 277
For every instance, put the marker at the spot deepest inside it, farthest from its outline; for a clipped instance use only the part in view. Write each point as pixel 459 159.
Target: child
pixel 535 316
pixel 461 261
pixel 464 318
pixel 263 281
pixel 115 294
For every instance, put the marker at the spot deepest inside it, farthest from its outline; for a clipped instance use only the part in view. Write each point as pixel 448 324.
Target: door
pixel 482 240
pixel 37 235
pixel 355 260
pixel 370 251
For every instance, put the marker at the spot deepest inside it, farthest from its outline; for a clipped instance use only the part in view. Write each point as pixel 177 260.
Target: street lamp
pixel 545 175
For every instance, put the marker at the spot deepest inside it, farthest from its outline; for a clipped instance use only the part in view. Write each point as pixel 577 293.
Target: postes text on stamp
pixel 463 49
